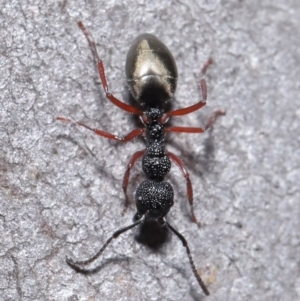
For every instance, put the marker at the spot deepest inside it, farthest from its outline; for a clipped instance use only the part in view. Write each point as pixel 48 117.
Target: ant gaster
pixel 151 75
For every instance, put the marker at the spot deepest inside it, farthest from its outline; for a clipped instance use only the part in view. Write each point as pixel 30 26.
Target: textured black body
pixel 151 75
pixel 154 196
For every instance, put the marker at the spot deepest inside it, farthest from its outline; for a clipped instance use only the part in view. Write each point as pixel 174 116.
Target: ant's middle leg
pixel 133 134
pixel 209 123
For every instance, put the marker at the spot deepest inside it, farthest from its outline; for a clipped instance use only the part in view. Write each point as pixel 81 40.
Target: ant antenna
pixel 185 244
pixel 77 264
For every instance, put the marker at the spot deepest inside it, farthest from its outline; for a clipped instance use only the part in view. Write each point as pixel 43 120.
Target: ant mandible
pixel 151 75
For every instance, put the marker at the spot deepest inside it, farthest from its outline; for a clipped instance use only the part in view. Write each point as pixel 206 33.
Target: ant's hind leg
pixel 206 66
pixel 101 70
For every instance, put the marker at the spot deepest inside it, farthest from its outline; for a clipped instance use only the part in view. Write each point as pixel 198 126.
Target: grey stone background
pixel 60 186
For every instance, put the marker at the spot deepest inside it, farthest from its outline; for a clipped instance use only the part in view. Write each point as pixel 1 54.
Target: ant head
pixel 154 199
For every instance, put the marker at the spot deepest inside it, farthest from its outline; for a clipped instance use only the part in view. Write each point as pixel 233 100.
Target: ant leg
pixel 77 264
pixel 206 65
pixel 209 123
pixel 133 134
pixel 185 244
pixel 193 108
pixel 101 71
pixel 197 106
pixel 131 163
pixel 180 164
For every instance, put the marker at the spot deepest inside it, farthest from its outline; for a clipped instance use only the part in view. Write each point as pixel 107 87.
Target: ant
pixel 151 75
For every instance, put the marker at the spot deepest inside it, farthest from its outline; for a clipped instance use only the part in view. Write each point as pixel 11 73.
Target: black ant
pixel 151 75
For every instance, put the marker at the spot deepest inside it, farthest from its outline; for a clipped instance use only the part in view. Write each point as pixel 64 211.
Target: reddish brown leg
pixel 196 106
pixel 131 163
pixel 188 184
pixel 190 109
pixel 101 71
pixel 133 134
pixel 209 123
pixel 206 65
